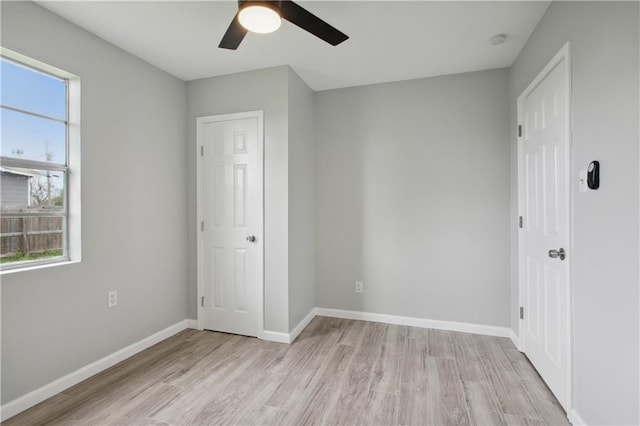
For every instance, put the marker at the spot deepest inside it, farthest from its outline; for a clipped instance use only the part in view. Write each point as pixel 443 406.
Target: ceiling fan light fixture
pixel 259 19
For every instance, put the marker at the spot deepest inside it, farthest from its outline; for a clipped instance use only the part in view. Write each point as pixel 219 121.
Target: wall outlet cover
pixel 359 286
pixel 112 298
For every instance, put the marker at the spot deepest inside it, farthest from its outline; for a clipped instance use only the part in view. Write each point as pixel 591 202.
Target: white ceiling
pixel 389 40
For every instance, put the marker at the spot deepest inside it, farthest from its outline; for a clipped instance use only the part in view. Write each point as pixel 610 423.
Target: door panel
pixel 230 200
pixel 544 204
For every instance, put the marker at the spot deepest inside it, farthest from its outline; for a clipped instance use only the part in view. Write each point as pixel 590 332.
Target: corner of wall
pixel 301 185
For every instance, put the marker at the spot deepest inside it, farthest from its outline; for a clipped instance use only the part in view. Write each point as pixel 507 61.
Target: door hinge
pixel 521 312
pixel 202 225
pixel 202 301
pixel 519 130
pixel 201 150
pixel 520 222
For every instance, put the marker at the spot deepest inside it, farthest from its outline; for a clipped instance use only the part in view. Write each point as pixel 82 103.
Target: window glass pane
pixel 32 91
pixel 32 138
pixel 31 190
pixel 30 238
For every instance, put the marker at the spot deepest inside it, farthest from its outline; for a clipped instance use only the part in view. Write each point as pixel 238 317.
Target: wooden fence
pixel 30 235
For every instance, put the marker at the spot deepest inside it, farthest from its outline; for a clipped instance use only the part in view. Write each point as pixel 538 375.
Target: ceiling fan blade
pixel 309 22
pixel 234 35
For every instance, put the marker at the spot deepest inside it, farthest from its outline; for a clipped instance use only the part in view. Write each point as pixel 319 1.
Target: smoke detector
pixel 497 39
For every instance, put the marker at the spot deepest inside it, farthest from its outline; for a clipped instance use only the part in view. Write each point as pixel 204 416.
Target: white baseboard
pixel 302 324
pixel 191 323
pixel 34 397
pixel 514 338
pixel 575 419
pixel 276 336
pixel 488 330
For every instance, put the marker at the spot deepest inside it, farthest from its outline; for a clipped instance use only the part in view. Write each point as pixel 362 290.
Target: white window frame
pixel 72 241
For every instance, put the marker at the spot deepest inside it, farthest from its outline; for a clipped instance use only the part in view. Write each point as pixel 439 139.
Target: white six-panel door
pixel 230 210
pixel 544 203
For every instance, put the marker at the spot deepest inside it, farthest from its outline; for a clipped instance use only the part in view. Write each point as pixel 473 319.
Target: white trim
pixel 562 55
pixel 488 330
pixel 575 419
pixel 302 325
pixel 259 232
pixel 276 336
pixel 34 397
pixel 515 339
pixel 191 323
pixel 32 267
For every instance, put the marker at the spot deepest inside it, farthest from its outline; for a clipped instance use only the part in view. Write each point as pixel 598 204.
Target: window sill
pixel 43 265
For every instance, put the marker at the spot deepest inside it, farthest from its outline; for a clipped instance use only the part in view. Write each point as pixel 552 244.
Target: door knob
pixel 558 253
pixel 251 238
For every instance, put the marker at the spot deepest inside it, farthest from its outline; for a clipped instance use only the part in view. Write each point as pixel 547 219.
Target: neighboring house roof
pixel 16 172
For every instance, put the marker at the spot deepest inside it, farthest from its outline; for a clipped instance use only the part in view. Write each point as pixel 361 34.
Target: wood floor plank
pixel 371 344
pixel 418 333
pixel 337 372
pixel 44 412
pixel 539 394
pixel 548 408
pixel 387 372
pixel 451 401
pixel 351 397
pixel 138 410
pixel 513 420
pixel 212 385
pixel 299 377
pixel 490 348
pixel 154 359
pixel 413 374
pixel 379 409
pixel 264 415
pixel 320 398
pixel 353 331
pixel 413 409
pixel 440 344
pixel 467 357
pixel 483 407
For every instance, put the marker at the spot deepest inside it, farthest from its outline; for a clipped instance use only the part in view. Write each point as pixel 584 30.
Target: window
pixel 39 164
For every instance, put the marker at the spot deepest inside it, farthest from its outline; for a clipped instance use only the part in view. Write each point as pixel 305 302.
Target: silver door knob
pixel 554 254
pixel 251 238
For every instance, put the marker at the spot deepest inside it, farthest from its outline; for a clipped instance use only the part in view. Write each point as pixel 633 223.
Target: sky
pixel 25 136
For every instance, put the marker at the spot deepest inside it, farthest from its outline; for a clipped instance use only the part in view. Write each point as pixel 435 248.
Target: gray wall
pixel 412 197
pixel 302 292
pixel 255 90
pixel 605 82
pixel 56 320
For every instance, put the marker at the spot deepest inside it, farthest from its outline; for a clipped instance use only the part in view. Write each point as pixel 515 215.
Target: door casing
pixel 562 55
pixel 259 115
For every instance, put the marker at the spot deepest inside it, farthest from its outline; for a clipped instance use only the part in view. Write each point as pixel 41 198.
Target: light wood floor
pixel 336 372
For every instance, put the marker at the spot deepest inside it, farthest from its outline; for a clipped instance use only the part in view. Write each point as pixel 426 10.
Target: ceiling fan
pixel 265 17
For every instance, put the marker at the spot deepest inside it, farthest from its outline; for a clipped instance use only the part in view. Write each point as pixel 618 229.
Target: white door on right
pixel 544 203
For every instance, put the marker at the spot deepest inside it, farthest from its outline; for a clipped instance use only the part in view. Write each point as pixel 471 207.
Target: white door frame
pixel 200 216
pixel 562 55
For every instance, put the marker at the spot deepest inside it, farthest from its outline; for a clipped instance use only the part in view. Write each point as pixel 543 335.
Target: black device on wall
pixel 593 175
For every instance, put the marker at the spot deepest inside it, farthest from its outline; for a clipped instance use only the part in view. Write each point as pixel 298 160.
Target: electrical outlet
pixel 112 299
pixel 359 286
